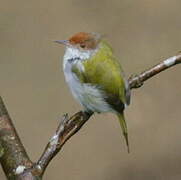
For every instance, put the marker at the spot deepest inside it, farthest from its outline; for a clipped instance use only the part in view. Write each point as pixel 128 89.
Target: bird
pixel 95 76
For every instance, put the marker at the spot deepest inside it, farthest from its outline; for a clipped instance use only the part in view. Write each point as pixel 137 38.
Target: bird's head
pixel 82 41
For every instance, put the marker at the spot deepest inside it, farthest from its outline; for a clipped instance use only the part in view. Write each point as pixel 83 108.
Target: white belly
pixel 90 97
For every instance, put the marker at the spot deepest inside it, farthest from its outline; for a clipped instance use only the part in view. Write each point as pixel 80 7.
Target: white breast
pixel 89 96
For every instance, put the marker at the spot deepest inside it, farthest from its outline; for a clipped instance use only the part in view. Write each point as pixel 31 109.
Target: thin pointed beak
pixel 64 42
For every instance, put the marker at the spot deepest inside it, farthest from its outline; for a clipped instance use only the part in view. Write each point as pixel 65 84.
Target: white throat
pixel 76 54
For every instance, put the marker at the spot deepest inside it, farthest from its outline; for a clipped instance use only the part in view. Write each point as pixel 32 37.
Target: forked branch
pixel 13 157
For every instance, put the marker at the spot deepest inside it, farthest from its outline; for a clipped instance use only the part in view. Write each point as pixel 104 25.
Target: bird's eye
pixel 82 45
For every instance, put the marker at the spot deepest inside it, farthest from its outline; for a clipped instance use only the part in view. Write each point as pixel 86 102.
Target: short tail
pixel 124 128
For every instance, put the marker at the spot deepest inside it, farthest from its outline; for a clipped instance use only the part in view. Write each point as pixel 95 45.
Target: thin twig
pixel 138 80
pixel 70 126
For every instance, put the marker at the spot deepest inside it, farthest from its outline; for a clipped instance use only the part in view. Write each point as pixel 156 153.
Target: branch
pixel 13 157
pixel 70 126
pixel 12 152
pixel 67 128
pixel 138 80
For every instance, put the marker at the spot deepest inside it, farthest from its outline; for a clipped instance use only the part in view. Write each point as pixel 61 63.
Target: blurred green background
pixel 142 33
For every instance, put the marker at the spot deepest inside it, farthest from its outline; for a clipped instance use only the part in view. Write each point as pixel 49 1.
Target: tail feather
pixel 124 128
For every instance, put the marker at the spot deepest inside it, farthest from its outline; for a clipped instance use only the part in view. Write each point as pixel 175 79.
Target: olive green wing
pixel 104 70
